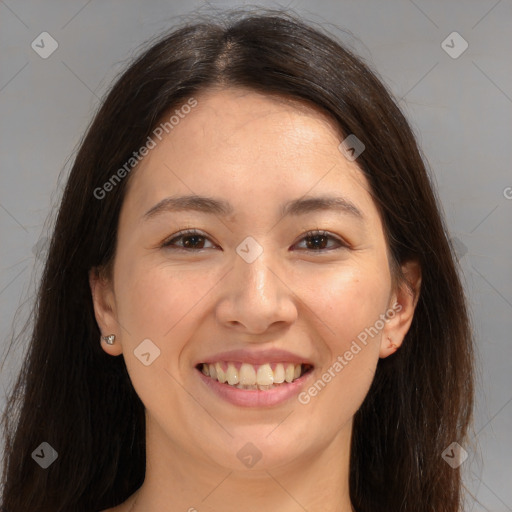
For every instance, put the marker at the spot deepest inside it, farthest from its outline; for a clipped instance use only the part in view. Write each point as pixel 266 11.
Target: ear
pixel 401 309
pixel 104 310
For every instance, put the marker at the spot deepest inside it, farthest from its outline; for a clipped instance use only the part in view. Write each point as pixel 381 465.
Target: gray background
pixel 460 109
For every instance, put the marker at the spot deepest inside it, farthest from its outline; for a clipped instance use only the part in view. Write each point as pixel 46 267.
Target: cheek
pixel 350 305
pixel 347 301
pixel 162 304
pixel 159 303
pixel 157 300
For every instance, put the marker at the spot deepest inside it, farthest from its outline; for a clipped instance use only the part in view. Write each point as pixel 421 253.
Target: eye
pixel 191 240
pixel 317 241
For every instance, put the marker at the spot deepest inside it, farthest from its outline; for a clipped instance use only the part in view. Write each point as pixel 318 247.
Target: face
pixel 277 282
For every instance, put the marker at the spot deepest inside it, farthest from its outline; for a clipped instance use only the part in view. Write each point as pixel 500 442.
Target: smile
pixel 247 376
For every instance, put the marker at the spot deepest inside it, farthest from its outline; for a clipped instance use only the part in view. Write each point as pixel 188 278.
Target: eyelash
pixel 193 232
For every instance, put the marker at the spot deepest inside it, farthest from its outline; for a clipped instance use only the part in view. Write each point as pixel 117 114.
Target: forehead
pixel 229 118
pixel 243 144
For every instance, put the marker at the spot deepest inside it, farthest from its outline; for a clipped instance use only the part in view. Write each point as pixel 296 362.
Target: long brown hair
pixel 75 397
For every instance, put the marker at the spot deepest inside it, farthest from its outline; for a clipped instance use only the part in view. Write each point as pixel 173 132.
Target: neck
pixel 316 482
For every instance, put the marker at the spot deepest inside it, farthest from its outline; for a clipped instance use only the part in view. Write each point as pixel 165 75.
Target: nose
pixel 256 297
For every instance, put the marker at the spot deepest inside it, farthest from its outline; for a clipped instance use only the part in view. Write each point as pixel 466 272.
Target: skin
pixel 256 152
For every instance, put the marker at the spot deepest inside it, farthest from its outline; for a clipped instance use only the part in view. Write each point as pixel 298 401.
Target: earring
pixel 391 344
pixel 109 339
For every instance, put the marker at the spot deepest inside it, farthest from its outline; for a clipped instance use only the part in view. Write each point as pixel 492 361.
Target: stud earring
pixel 110 339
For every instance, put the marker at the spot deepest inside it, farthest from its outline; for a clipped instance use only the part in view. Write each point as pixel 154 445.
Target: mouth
pixel 254 377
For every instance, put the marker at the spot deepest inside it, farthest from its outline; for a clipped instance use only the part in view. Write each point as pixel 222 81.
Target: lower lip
pixel 256 397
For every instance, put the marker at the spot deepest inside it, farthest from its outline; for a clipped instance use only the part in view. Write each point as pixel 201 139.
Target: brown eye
pixel 318 241
pixel 190 240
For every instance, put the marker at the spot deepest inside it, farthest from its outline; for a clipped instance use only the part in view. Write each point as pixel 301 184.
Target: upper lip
pixel 256 357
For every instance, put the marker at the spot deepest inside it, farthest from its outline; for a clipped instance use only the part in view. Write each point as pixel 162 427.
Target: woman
pixel 249 302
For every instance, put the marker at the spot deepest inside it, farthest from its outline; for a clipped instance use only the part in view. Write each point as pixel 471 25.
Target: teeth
pixel 289 373
pixel 279 374
pixel 248 386
pixel 232 375
pixel 265 375
pixel 221 374
pixel 247 377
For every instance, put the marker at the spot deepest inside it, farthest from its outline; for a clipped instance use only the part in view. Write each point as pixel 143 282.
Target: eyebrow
pixel 213 206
